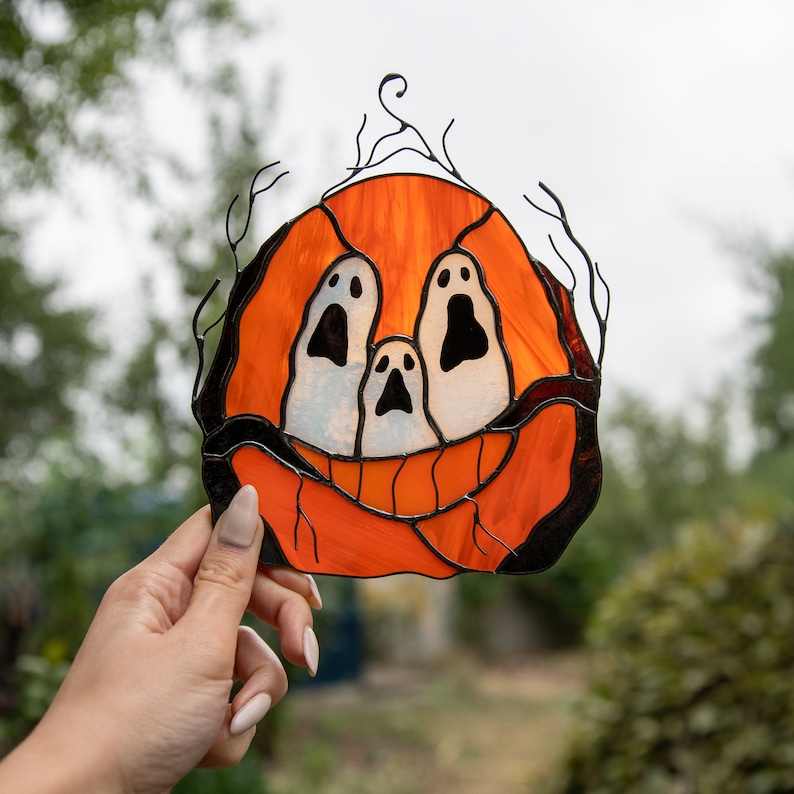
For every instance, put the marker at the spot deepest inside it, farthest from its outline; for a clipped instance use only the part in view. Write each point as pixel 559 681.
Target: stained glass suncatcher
pixel 406 386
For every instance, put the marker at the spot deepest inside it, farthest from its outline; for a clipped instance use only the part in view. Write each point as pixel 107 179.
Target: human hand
pixel 147 697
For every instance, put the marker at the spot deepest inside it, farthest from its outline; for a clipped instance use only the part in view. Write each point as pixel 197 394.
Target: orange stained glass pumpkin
pixel 406 387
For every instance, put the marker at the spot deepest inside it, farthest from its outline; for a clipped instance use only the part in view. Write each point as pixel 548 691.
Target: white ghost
pixel 393 419
pixel 469 381
pixel 329 357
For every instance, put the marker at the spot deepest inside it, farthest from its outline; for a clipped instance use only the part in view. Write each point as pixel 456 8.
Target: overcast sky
pixel 663 127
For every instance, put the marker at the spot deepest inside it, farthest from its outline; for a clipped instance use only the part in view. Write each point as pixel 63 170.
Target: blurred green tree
pixel 44 356
pixel 773 386
pixel 166 341
pixel 45 352
pixel 65 69
pixel 771 471
pixel 67 526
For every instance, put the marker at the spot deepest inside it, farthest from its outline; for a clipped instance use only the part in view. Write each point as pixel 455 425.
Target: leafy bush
pixel 247 776
pixel 36 680
pixel 692 671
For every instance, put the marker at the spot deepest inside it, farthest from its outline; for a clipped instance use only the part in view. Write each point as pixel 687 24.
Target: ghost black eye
pixel 443 278
pixel 334 280
pixel 408 362
pixel 465 273
pixel 355 287
pixel 382 364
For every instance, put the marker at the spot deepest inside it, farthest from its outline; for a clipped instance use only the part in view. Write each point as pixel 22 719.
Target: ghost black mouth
pixel 329 339
pixel 395 396
pixel 465 339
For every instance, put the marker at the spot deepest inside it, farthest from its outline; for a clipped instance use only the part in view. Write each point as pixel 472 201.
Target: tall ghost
pixel 468 370
pixel 329 357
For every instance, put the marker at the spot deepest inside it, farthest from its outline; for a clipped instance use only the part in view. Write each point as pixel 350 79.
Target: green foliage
pixel 773 387
pixel 37 680
pixel 200 253
pixel 246 777
pixel 768 482
pixel 62 541
pixel 68 91
pixel 45 353
pixel 55 58
pixel 59 57
pixel 676 463
pixel 44 350
pixel 691 671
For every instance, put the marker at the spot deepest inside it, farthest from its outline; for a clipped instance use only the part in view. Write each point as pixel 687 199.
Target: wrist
pixel 58 762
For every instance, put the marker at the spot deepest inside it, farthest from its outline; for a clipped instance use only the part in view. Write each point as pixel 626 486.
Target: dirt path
pixel 468 729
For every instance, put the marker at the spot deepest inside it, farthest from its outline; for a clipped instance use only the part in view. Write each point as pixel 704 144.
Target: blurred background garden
pixel 657 655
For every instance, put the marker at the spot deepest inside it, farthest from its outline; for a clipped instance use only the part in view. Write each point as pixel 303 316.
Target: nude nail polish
pixel 250 714
pixel 315 600
pixel 238 523
pixel 311 651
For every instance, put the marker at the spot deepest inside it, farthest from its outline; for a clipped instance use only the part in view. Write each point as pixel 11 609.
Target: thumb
pixel 222 586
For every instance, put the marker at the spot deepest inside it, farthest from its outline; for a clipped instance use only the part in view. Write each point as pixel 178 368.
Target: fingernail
pixel 250 714
pixel 315 601
pixel 311 650
pixel 238 523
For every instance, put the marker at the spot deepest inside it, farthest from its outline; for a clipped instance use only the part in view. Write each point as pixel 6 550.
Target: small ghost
pixel 329 357
pixel 393 418
pixel 469 380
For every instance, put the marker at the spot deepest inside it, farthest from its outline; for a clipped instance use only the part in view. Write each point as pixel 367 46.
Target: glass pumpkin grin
pixel 407 486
